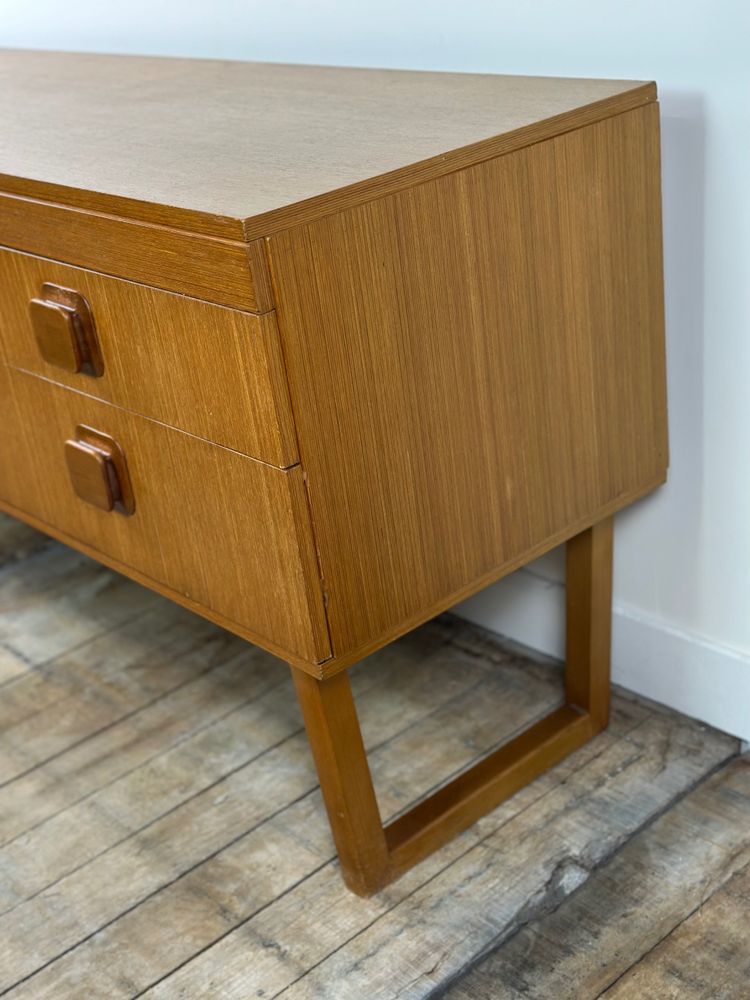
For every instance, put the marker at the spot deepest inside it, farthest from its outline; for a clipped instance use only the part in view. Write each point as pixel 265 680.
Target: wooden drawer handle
pixel 98 470
pixel 64 330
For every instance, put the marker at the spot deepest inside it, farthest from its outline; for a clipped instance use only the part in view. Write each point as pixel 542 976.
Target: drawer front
pixel 206 369
pixel 209 527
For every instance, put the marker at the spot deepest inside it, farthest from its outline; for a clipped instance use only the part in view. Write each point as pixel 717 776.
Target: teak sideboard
pixel 319 352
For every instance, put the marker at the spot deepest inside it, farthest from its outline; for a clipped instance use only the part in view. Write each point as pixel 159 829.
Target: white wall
pixel 682 579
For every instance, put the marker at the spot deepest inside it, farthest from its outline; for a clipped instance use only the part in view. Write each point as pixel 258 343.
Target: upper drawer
pixel 206 369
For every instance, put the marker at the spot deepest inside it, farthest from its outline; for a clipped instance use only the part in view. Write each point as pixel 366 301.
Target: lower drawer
pixel 211 528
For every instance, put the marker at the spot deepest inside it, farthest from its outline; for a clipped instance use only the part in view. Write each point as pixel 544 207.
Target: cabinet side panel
pixel 476 367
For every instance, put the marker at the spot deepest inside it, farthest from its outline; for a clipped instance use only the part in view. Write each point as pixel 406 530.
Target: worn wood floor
pixel 162 834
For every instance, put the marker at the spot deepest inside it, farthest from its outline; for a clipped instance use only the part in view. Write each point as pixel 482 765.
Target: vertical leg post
pixel 589 621
pixel 345 781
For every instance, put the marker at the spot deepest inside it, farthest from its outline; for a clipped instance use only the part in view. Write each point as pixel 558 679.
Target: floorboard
pixel 706 957
pixel 162 833
pixel 635 905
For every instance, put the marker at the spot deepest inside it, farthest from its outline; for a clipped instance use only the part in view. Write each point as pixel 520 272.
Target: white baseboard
pixel 702 679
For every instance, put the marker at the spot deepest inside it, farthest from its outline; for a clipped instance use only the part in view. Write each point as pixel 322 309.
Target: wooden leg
pixel 371 855
pixel 589 621
pixel 336 742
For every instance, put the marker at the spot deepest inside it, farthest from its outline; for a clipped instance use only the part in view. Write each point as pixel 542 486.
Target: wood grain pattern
pixel 706 958
pixel 471 325
pixel 495 341
pixel 217 373
pixel 125 722
pixel 200 817
pixel 523 859
pixel 620 935
pixel 7 421
pixel 336 742
pixel 48 718
pixel 314 667
pixel 472 794
pixel 234 888
pixel 219 270
pixel 51 604
pixel 588 616
pixel 254 718
pixel 247 522
pixel 371 856
pixel 523 862
pixel 238 148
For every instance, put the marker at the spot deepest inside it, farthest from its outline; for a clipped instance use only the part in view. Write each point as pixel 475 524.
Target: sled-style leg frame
pixel 372 855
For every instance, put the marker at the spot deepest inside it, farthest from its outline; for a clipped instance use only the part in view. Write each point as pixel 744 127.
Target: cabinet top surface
pixel 241 149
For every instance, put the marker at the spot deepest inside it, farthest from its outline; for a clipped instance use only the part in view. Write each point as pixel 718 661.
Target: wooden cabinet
pixel 374 338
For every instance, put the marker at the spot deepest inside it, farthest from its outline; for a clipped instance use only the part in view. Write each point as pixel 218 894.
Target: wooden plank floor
pixel 162 834
pixel 667 916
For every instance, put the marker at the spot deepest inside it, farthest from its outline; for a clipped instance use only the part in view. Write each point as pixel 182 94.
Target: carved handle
pixel 98 470
pixel 64 330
